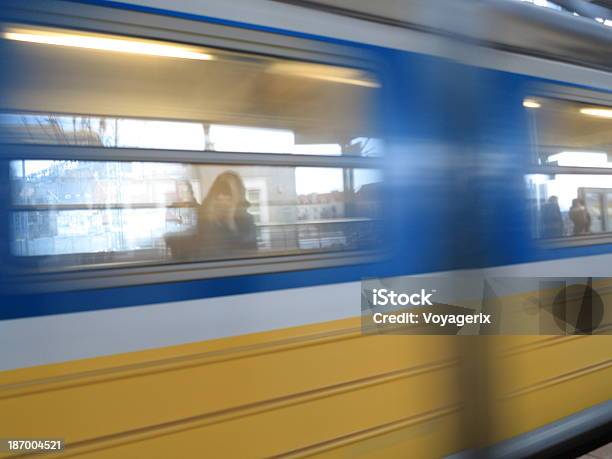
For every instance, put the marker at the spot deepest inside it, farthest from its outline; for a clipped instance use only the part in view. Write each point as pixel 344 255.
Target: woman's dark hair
pixel 223 185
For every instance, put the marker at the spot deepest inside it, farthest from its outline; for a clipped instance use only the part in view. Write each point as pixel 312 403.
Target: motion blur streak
pixel 48 37
pixel 597 112
pixel 193 192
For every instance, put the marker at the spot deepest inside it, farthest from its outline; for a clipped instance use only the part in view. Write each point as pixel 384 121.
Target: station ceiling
pixel 508 25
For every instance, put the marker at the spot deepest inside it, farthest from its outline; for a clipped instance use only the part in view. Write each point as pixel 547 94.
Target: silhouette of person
pixel 552 221
pixel 224 225
pixel 224 228
pixel 579 215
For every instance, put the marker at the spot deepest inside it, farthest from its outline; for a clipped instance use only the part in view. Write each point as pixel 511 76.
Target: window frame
pixel 569 94
pixel 104 19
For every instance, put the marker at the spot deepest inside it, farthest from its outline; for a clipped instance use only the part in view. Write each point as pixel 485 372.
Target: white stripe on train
pixel 64 337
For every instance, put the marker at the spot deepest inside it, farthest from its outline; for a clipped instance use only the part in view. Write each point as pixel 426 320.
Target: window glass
pixel 77 88
pixel 72 88
pixel 53 129
pixel 609 210
pixel 570 204
pixel 75 214
pixel 593 202
pixel 574 134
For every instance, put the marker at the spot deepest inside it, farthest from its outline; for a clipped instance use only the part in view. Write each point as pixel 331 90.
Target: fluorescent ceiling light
pixel 530 103
pixel 104 43
pixel 324 72
pixel 600 112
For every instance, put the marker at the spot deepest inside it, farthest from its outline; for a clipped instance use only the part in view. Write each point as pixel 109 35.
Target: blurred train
pixel 354 140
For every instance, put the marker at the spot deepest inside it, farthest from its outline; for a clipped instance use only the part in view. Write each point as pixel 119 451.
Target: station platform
pixel 604 452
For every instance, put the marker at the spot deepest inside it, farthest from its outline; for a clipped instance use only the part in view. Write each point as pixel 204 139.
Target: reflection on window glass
pixel 608 200
pixel 572 134
pixel 53 129
pixel 570 205
pixel 127 93
pixel 50 129
pixel 70 214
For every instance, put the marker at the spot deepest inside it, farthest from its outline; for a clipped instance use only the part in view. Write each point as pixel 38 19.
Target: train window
pixel 67 90
pixel 570 204
pixel 571 196
pixel 73 214
pixel 571 134
pixel 54 129
pixel 128 152
pixel 113 132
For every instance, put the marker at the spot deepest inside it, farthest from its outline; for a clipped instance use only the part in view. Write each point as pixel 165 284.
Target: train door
pixel 598 202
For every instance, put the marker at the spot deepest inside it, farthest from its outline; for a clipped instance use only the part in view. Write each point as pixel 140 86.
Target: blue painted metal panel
pixel 457 146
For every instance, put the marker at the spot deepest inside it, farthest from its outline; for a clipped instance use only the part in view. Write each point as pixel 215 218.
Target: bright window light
pixel 580 159
pixel 263 140
pixel 323 149
pixel 251 139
